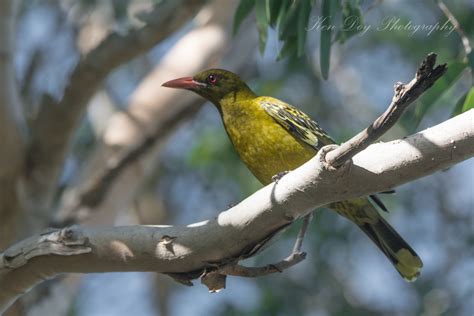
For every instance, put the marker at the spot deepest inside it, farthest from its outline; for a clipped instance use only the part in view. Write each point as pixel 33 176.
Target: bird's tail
pixel 402 256
pixel 397 250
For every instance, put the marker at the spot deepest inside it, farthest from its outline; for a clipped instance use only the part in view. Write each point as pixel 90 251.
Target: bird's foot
pixel 279 175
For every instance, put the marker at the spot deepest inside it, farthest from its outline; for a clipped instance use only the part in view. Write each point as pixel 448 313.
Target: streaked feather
pixel 300 125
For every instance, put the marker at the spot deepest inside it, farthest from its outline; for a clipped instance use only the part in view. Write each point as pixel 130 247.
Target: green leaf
pixel 352 21
pixel 243 10
pixel 326 31
pixel 281 16
pixel 414 115
pixel 303 17
pixel 458 107
pixel 288 49
pixel 469 102
pixel 289 20
pixel 268 10
pixel 262 24
pixel 272 8
pixel 470 60
pixel 465 103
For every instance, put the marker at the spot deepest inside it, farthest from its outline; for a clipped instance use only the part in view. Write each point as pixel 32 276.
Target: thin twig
pixel 253 272
pixel 405 94
pixel 215 275
pixel 294 258
pixel 299 239
pixel 215 280
pixel 457 27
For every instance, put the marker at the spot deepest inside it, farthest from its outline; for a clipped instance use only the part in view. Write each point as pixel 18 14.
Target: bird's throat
pixel 235 101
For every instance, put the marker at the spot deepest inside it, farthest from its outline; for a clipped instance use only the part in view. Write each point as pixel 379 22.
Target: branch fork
pixel 333 157
pixel 404 95
pixel 62 242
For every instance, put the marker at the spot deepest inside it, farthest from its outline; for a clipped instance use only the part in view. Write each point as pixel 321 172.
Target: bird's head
pixel 213 84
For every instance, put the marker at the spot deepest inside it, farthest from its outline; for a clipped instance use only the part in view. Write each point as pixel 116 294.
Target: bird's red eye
pixel 212 79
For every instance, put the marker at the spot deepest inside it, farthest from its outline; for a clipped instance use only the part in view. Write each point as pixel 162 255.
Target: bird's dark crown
pixel 216 84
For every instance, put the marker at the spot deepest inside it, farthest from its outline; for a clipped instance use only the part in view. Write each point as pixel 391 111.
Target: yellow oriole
pixel 272 137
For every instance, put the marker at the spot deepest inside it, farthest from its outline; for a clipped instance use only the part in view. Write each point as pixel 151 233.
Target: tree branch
pixel 57 120
pixel 130 141
pixel 405 94
pixel 11 117
pixel 94 192
pixel 240 231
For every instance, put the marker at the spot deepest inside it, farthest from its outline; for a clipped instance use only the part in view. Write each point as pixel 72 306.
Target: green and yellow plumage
pixel 272 136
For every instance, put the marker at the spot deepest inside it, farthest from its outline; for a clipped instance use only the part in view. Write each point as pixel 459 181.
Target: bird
pixel 273 137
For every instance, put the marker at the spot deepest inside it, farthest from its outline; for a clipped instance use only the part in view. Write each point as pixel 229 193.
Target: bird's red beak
pixel 183 83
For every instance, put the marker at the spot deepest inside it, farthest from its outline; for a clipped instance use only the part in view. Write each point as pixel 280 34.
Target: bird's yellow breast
pixel 264 145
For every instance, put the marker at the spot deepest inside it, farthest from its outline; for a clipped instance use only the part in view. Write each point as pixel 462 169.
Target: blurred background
pixel 190 172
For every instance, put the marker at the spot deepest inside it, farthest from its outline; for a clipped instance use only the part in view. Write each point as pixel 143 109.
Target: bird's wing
pixel 300 125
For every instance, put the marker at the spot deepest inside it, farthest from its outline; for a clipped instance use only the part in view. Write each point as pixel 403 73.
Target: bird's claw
pixel 278 176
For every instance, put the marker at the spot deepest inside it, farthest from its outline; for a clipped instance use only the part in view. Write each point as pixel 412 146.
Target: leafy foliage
pixel 352 21
pixel 465 103
pixel 291 18
pixel 339 20
pixel 469 102
pixel 326 31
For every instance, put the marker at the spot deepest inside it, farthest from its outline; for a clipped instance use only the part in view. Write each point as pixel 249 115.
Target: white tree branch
pixel 187 251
